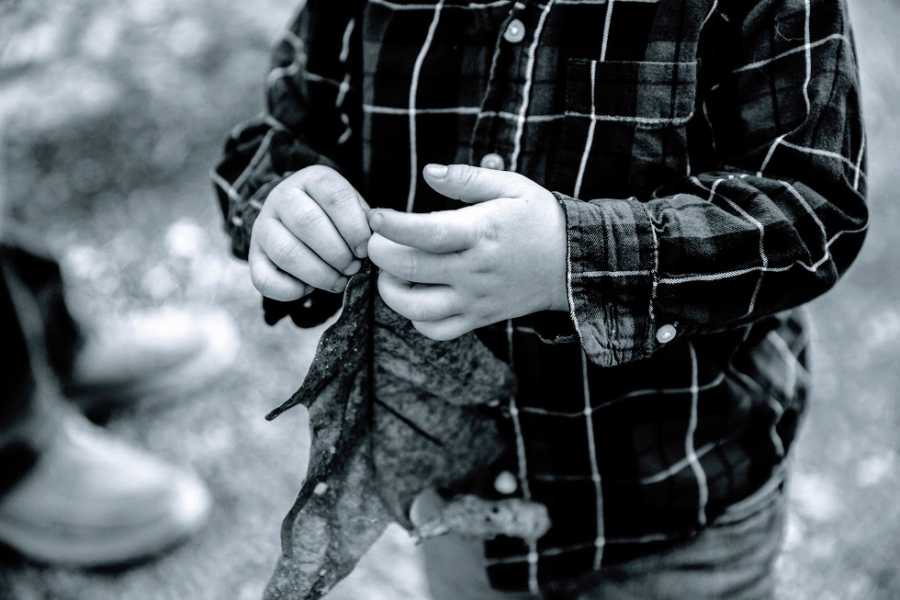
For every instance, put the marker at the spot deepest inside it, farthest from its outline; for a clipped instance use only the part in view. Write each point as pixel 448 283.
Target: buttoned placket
pixel 497 143
pixel 494 139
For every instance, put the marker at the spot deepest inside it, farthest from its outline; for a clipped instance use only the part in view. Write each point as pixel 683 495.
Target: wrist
pixel 556 285
pixel 559 300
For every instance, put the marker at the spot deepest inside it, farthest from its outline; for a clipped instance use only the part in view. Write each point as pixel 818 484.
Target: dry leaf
pixel 392 413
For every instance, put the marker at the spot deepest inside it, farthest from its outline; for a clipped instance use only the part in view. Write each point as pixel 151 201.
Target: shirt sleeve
pixel 774 224
pixel 311 117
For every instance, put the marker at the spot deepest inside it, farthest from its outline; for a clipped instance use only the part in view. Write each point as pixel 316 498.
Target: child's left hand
pixel 453 271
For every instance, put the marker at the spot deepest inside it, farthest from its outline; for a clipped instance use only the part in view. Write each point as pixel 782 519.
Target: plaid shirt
pixel 710 159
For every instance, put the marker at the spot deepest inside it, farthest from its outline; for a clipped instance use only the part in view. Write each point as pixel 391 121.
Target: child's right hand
pixel 310 233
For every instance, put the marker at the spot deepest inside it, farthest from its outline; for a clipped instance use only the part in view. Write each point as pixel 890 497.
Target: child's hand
pixel 309 233
pixel 503 257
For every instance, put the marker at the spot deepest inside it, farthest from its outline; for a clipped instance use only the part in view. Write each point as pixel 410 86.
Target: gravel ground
pixel 114 112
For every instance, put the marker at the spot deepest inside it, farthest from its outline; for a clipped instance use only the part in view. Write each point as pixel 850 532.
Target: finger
pixel 308 222
pixel 443 231
pixel 272 282
pixel 475 184
pixel 410 264
pixel 444 330
pixel 293 257
pixel 418 302
pixel 342 203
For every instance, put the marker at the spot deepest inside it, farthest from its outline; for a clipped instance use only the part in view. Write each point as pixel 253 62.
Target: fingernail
pixel 340 285
pixel 376 220
pixel 353 268
pixel 438 171
pixel 362 250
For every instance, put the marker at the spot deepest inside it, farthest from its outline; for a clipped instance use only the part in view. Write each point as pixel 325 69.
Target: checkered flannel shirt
pixel 709 156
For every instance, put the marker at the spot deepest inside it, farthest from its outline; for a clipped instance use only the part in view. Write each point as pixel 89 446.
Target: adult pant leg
pixel 40 339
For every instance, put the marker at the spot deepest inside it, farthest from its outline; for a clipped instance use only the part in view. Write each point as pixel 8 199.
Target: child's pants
pixel 733 558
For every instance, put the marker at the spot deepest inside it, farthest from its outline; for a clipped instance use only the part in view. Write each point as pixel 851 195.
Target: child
pixel 627 200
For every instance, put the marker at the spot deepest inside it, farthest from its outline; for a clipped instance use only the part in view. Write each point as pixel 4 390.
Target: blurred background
pixel 112 113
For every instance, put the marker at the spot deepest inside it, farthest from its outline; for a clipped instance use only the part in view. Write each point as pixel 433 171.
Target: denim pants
pixel 732 558
pixel 40 339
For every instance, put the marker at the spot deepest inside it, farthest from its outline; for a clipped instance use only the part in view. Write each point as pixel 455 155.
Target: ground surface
pixel 114 112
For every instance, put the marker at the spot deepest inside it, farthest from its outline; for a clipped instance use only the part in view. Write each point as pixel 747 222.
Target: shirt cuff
pixel 611 275
pixel 241 217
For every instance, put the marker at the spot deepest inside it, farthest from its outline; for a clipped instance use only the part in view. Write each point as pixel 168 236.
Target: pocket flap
pixel 647 94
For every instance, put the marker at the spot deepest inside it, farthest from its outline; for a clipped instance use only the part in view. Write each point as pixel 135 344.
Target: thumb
pixel 474 184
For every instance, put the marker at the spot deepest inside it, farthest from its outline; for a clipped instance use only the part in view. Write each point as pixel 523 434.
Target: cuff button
pixel 666 334
pixel 506 483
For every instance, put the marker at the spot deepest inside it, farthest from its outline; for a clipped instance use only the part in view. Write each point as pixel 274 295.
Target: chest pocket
pixel 625 129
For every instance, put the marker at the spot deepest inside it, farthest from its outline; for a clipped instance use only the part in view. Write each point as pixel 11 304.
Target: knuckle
pixel 285 195
pixel 320 182
pixel 307 216
pixel 283 251
pixel 273 200
pixel 410 266
pixel 440 234
pixel 330 188
pixel 488 229
pixel 466 175
pixel 331 194
pixel 341 193
pixel 481 264
pixel 316 173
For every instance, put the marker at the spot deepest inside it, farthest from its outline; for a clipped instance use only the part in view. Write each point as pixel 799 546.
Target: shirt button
pixel 506 483
pixel 666 334
pixel 515 32
pixel 492 161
